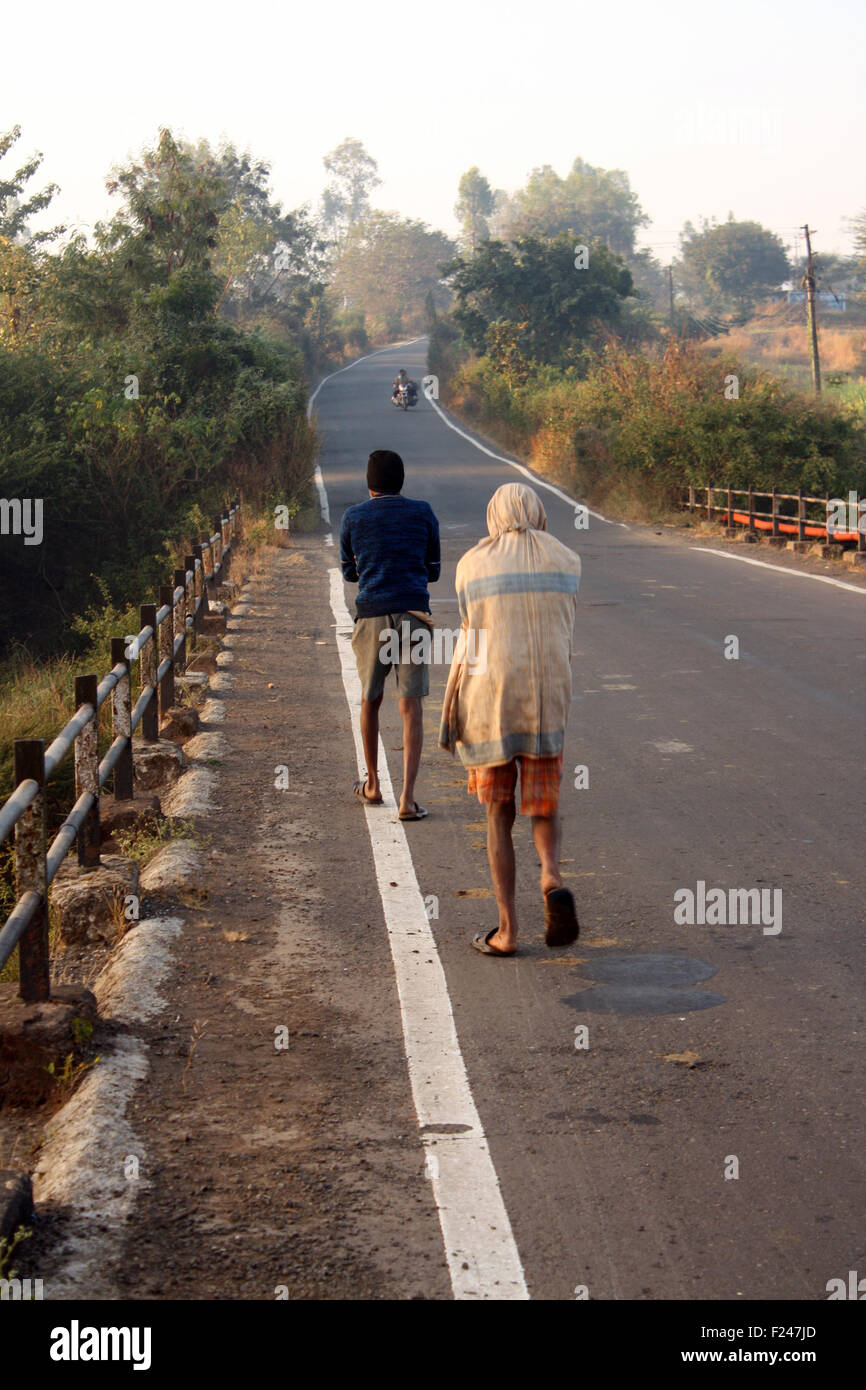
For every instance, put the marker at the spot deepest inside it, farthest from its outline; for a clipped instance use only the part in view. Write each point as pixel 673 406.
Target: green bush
pixel 651 423
pixel 127 483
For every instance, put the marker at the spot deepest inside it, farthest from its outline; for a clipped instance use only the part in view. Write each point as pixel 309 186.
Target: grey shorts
pixel 383 643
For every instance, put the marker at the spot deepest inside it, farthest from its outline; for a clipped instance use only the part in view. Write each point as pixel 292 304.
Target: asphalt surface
pixel 707 1043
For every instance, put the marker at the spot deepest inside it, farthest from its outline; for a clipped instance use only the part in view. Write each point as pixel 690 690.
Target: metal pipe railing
pixel 160 646
pixel 795 523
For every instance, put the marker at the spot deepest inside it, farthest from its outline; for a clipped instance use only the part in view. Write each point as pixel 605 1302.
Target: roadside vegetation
pixel 152 371
pixel 575 350
pixel 155 370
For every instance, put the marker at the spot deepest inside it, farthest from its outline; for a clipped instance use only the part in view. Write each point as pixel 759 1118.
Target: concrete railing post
pixel 166 649
pixel 87 773
pixel 121 721
pixel 148 663
pixel 31 874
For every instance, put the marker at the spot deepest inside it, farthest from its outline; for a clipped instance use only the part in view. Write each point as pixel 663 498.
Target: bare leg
pixel 500 855
pixel 546 834
pixel 370 738
pixel 413 742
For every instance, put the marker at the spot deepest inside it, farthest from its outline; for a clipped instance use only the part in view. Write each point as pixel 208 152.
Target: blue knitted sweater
pixel 389 547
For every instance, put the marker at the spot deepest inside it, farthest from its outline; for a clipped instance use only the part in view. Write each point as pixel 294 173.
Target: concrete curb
pixel 92 1164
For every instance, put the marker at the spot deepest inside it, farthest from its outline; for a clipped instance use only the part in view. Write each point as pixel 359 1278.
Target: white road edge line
pixel 410 342
pixel 483 1260
pixel 521 468
pixel 779 569
pixel 500 458
pixel 319 480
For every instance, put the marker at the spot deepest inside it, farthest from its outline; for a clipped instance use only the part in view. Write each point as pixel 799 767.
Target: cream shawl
pixel 509 687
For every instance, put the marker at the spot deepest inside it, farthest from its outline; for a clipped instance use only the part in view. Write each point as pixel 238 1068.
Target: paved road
pixel 745 773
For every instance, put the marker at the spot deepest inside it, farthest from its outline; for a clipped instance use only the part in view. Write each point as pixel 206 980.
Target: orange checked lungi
pixel 539 784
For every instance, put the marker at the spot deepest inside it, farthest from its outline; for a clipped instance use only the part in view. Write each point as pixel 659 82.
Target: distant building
pixel 822 297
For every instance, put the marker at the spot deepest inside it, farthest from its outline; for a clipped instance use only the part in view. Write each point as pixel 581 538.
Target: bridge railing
pixel 161 649
pixel 812 518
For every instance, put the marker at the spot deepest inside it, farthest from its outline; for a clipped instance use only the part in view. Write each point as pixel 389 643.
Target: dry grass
pixel 36 700
pixel 841 349
pixel 261 535
pixel 144 841
pixel 36 695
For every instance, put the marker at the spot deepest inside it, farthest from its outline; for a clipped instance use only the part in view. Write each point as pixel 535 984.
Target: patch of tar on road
pixel 646 984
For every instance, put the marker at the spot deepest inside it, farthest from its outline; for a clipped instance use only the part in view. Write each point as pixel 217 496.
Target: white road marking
pixel 521 468
pixel 409 343
pixel 527 473
pixel 674 746
pixel 320 482
pixel 779 569
pixel 483 1260
pixel 323 496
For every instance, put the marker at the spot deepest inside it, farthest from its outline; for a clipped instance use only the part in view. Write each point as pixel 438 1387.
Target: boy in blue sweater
pixel 389 547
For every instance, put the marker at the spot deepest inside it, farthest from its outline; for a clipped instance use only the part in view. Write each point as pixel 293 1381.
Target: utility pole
pixel 809 284
pixel 671 288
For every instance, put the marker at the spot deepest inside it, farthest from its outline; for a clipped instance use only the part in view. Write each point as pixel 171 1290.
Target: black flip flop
pixel 360 791
pixel 419 813
pixel 482 944
pixel 561 926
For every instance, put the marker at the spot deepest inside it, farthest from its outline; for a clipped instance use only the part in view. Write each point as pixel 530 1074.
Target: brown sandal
pixel 561 926
pixel 360 790
pixel 482 944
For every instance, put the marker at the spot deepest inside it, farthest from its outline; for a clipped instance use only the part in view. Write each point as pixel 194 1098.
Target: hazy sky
pixel 758 107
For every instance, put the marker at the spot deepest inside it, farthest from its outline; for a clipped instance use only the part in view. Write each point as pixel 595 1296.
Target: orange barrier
pixel 788 528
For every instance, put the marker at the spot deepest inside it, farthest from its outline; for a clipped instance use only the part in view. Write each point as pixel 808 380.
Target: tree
pixel 835 274
pixel 172 207
pixel 19 280
pixel 346 198
pixel 127 401
pixel 13 211
pixel 475 202
pixel 535 285
pixel 858 228
pixel 730 266
pixel 263 255
pixel 596 204
pixel 388 268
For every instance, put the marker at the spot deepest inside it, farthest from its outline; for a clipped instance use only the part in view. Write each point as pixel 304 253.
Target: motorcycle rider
pixel 401 379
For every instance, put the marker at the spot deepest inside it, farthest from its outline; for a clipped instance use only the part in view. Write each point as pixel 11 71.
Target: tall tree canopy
pixel 730 266
pixel 346 198
pixel 171 209
pixel 533 286
pixel 596 204
pixel 475 203
pixel 15 207
pixel 858 227
pixel 389 267
pixel 125 401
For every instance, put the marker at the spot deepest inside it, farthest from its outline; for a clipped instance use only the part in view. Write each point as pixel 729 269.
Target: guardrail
pixel 161 649
pixel 798 524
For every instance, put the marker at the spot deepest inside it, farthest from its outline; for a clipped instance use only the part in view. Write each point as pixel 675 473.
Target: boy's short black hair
pixel 385 471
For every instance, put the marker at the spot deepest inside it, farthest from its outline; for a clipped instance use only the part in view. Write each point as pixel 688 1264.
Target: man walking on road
pixel 389 547
pixel 517 594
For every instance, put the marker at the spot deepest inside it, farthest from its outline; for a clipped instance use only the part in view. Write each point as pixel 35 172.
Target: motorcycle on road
pixel 405 395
